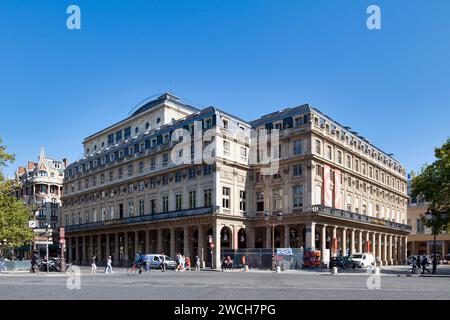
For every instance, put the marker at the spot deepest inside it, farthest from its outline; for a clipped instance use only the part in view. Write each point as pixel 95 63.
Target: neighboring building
pixel 421 240
pixel 337 192
pixel 40 185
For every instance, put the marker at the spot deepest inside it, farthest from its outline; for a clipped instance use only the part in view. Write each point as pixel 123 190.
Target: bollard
pixel 334 270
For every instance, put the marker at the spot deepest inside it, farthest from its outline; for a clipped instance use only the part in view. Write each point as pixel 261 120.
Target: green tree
pixel 14 215
pixel 433 182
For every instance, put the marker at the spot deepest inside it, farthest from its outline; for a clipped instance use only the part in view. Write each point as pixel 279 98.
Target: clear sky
pixel 247 57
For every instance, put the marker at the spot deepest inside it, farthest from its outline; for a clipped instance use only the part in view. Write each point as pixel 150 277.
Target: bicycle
pixel 135 269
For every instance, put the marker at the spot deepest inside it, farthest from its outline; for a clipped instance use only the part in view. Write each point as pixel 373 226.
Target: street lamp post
pixel 432 220
pixel 273 225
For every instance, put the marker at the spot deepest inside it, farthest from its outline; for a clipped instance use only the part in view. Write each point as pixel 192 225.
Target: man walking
pixel 197 263
pixel 424 265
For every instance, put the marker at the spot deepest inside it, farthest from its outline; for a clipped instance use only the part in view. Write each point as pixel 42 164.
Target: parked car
pixel 363 260
pixel 154 261
pixel 342 262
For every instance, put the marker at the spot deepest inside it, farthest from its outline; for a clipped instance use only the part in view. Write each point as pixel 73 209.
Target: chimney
pixel 65 161
pixel 31 165
pixel 21 170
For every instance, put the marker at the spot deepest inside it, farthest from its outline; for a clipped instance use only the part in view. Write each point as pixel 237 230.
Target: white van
pixel 363 260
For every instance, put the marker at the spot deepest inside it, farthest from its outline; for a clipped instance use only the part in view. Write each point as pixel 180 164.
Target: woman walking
pixel 109 265
pixel 94 265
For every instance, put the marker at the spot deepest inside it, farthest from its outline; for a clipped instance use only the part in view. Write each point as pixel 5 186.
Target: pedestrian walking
pixel 94 265
pixel 197 263
pixel 414 266
pixel 424 264
pixel 34 262
pixel 188 264
pixel 109 265
pixel 163 265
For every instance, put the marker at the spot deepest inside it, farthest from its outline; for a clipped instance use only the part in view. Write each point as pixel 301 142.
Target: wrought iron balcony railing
pixel 319 209
pixel 144 218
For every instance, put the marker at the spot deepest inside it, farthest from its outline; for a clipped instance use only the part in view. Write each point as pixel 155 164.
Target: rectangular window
pixel 192 199
pixel 165 159
pixel 165 180
pixel 356 165
pixel 329 153
pixel 141 207
pixel 298 147
pixel 118 136
pixel 297 170
pixel 207 197
pixel 226 198
pixel 191 173
pixel 243 152
pixel 111 139
pixel 242 204
pixel 152 206
pixel 298 197
pixel 260 201
pixel 152 163
pixel 165 204
pixel 349 162
pixel 339 157
pixel 178 201
pixel 226 148
pixel 130 169
pixel 121 211
pixel 207 170
pixel 127 133
pixel 318 147
pixel 177 176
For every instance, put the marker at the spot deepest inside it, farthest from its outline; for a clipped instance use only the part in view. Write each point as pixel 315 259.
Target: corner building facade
pixel 129 194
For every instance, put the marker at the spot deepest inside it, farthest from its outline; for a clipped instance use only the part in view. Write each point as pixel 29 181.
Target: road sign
pixel 43 230
pixel 44 242
pixel 32 224
pixel 40 238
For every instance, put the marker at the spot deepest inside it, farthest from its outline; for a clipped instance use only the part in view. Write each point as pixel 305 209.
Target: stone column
pixel 186 240
pixel 268 237
pixel 344 242
pixel 99 249
pixel 116 249
pixel 310 241
pixel 405 250
pixel 333 247
pixel 91 247
pixel 108 246
pixel 352 240
pixel 69 254
pixel 395 250
pixel 379 248
pixel 201 245
pixel 217 250
pixel 235 238
pixel 83 251
pixel 367 241
pixel 159 241
pixel 172 243
pixel 125 248
pixel 250 234
pixel 323 243
pixel 385 253
pixel 391 261
pixel 147 242
pixel 360 242
pixel 287 236
pixel 77 250
pixel 374 241
pixel 136 242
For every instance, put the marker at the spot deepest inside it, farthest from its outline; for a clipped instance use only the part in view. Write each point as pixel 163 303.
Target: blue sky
pixel 247 57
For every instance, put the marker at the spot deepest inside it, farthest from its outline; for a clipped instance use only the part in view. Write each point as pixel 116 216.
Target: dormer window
pixel 147 126
pixel 225 124
pixel 158 120
pixel 136 131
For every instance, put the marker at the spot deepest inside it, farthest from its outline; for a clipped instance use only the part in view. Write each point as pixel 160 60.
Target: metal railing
pixel 319 209
pixel 144 218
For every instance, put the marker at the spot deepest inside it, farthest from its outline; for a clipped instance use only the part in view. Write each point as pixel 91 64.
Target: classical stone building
pixel 421 240
pixel 40 185
pixel 141 188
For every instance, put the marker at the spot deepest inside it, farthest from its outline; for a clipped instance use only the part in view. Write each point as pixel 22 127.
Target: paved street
pixel 260 285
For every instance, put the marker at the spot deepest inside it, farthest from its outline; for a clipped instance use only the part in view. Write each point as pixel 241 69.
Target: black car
pixel 342 262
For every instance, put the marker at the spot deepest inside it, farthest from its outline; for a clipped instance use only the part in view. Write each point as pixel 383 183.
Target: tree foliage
pixel 433 185
pixel 14 215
